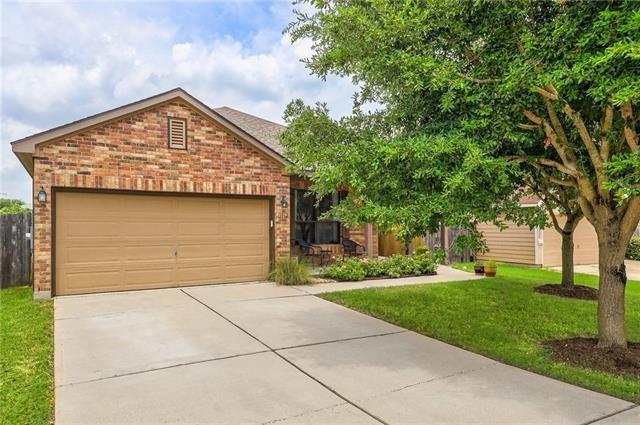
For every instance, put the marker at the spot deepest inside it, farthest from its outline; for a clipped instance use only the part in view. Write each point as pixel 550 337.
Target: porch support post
pixel 368 238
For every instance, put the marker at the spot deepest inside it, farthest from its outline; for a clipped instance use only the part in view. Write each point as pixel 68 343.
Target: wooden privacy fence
pixel 15 249
pixel 447 238
pixel 389 244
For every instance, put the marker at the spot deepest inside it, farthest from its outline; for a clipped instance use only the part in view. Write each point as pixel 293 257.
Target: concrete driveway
pixel 257 353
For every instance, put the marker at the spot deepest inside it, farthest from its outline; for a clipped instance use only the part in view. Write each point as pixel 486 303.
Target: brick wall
pixel 133 154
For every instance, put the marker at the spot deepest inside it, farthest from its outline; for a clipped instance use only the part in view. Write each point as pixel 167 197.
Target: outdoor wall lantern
pixel 42 195
pixel 284 203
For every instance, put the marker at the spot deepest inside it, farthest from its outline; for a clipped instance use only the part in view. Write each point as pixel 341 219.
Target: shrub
pixel 290 271
pixel 424 264
pixel 399 265
pixel 373 268
pixel 633 250
pixel 421 250
pixel 440 255
pixel 346 269
pixel 394 266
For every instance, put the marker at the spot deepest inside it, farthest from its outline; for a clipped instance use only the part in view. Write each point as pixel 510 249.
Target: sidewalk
pixel 633 269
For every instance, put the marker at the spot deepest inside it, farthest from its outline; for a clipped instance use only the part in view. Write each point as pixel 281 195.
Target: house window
pixel 308 226
pixel 177 133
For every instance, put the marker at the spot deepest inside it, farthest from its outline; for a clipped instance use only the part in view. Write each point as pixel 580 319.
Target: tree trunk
pixel 613 280
pixel 567 260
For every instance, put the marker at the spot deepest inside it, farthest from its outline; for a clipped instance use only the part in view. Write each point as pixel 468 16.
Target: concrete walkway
pixel 633 269
pixel 444 274
pixel 258 353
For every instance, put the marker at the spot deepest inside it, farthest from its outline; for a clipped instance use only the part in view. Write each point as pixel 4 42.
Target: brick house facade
pixel 127 150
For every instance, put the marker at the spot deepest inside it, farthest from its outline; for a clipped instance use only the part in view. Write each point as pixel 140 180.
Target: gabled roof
pixel 256 131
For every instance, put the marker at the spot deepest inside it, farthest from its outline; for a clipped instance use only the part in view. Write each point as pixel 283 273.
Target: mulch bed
pixel 579 291
pixel 583 352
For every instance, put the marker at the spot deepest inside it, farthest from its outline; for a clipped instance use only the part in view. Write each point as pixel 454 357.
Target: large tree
pixel 408 183
pixel 468 88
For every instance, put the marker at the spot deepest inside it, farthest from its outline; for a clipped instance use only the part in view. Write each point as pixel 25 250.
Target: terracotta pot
pixel 490 271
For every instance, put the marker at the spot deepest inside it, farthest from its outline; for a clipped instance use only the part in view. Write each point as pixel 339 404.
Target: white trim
pixel 539 245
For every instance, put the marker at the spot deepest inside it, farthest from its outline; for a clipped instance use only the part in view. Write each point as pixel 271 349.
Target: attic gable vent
pixel 177 133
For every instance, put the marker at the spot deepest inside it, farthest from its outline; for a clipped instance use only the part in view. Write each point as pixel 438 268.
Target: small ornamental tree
pixel 563 207
pixel 473 95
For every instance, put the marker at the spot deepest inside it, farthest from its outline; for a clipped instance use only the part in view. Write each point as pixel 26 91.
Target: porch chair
pixel 352 249
pixel 312 251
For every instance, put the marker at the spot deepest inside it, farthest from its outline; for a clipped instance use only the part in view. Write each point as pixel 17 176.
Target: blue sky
pixel 61 61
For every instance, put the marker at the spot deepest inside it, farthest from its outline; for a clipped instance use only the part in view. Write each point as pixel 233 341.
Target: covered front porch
pixel 327 239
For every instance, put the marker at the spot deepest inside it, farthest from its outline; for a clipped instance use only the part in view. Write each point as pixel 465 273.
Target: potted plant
pixel 490 268
pixel 478 267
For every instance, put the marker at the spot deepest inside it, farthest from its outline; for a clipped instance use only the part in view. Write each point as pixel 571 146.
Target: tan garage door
pixel 115 242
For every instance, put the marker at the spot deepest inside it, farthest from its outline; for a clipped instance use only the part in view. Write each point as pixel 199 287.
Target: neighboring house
pixel 515 244
pixel 542 247
pixel 166 192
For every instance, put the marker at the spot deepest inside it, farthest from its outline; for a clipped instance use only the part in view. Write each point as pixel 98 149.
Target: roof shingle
pixel 268 132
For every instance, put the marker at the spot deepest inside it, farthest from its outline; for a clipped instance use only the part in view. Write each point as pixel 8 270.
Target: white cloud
pixel 14 181
pixel 41 87
pixel 62 62
pixel 13 130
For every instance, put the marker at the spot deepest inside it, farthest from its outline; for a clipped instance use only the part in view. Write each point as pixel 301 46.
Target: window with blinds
pixel 177 133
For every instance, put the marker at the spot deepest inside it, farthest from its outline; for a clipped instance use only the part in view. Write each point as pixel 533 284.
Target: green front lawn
pixel 26 357
pixel 504 319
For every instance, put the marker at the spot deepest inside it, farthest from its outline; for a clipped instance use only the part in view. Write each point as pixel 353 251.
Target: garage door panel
pixel 246 228
pixel 244 273
pixel 204 250
pixel 193 275
pixel 95 281
pixel 82 255
pixel 96 266
pixel 148 229
pixel 227 262
pixel 243 209
pixel 141 242
pixel 200 228
pixel 109 242
pixel 150 252
pixel 150 206
pixel 233 246
pixel 244 249
pixel 245 260
pixel 201 207
pixel 153 264
pixel 89 229
pixel 142 276
pixel 81 204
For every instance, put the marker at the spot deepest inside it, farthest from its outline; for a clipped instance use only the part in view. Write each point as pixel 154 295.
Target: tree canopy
pixel 476 99
pixel 12 206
